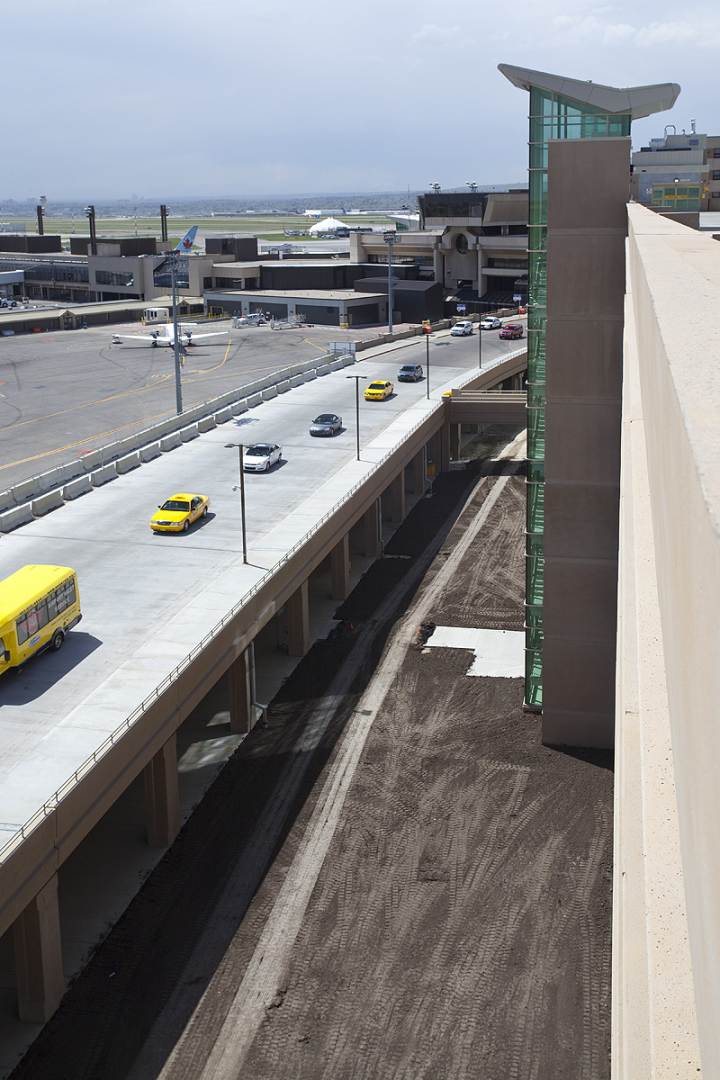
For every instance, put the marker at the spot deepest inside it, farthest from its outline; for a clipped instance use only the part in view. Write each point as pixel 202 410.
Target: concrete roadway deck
pixel 148 600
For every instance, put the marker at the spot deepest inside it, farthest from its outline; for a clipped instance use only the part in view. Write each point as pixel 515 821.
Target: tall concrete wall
pixel 587 221
pixel 666 936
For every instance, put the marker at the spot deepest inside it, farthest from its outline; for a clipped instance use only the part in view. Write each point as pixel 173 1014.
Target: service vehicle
pixel 462 329
pixel 326 423
pixel 511 331
pixel 38 606
pixel 179 512
pixel 410 373
pixel 253 318
pixel 261 457
pixel 490 322
pixel 379 390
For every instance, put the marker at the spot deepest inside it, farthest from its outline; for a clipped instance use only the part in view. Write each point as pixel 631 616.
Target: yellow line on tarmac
pixel 81 442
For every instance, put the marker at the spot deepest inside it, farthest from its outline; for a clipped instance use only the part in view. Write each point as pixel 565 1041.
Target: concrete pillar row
pixel 38 956
pixel 340 569
pixel 439 449
pixel 162 802
pixel 241 692
pixel 298 619
pixel 371 532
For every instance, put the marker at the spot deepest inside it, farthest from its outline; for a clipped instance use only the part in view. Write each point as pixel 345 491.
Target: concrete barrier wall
pixel 666 894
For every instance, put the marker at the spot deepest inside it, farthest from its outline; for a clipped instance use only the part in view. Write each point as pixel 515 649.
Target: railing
pixel 83 769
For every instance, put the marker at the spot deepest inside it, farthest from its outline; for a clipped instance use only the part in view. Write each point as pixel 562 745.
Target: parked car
pixel 379 390
pixel 261 457
pixel 254 318
pixel 326 423
pixel 462 329
pixel 179 512
pixel 410 373
pixel 491 322
pixel 512 331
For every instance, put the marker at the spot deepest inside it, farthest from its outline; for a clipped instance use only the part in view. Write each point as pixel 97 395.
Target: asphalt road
pixel 68 392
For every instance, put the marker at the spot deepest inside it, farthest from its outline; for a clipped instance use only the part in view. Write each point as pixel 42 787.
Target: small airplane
pixel 165 334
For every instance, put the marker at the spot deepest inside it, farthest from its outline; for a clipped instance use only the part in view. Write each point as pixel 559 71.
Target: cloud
pixel 592 27
pixel 430 34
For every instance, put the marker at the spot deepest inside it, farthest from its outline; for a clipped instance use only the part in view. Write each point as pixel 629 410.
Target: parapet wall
pixel 666 939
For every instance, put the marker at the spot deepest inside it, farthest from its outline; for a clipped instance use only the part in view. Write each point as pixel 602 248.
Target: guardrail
pixel 87 765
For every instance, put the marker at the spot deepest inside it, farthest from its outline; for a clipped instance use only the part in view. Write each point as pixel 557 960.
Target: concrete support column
pixel 38 956
pixel 454 439
pixel 298 617
pixel 371 534
pixel 340 569
pixel 394 500
pixel 439 449
pixel 162 804
pixel 416 473
pixel 240 692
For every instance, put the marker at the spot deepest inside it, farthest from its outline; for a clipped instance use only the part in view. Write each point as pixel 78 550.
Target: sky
pixel 109 99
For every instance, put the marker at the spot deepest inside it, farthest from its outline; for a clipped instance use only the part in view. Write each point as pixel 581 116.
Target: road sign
pixel 517 298
pixel 461 309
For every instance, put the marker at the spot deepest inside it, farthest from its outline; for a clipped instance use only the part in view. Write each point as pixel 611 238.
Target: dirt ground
pixel 397 881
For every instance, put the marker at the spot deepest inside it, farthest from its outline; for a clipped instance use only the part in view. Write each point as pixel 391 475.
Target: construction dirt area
pixel 392 878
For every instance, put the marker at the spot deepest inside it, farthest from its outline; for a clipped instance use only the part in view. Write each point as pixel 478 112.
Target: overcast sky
pixel 229 97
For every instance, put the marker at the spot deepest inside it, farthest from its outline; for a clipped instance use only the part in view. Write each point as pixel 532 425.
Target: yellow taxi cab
pixel 379 390
pixel 179 512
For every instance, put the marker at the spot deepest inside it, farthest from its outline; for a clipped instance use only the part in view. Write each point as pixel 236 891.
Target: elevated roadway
pixel 77 726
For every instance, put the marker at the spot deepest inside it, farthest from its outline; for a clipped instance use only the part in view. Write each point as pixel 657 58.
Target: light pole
pixel 479 335
pixel 427 366
pixel 389 238
pixel 357 379
pixel 231 446
pixel 176 333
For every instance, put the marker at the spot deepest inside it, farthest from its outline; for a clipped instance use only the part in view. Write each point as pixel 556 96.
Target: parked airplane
pixel 165 335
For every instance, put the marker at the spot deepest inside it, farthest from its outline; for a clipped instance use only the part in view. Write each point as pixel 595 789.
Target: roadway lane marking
pixel 268 966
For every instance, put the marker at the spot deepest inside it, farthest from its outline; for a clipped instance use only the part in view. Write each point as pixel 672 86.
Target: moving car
pixel 512 331
pixel 326 423
pixel 261 457
pixel 462 329
pixel 38 606
pixel 410 373
pixel 379 390
pixel 491 322
pixel 179 512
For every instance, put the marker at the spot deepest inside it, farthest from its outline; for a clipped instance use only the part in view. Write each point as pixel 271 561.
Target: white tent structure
pixel 328 224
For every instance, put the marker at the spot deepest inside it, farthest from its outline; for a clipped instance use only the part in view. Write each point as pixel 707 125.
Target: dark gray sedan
pixel 326 423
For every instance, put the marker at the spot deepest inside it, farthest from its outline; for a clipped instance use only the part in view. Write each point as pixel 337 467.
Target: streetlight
pixel 479 334
pixel 427 365
pixel 389 237
pixel 90 215
pixel 357 379
pixel 231 446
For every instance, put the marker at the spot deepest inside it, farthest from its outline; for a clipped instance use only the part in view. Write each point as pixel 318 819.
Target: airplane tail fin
pixel 188 240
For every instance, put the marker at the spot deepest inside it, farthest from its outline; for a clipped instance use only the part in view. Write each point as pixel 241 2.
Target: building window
pixel 461 244
pixel 716 152
pixel 716 174
pixel 108 277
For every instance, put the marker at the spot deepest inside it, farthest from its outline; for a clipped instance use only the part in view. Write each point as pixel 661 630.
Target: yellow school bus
pixel 38 605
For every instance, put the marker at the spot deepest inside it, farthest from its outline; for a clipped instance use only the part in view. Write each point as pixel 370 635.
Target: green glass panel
pixel 535 518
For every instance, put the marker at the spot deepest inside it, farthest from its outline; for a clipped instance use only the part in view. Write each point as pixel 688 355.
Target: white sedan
pixel 462 329
pixel 261 457
pixel 491 323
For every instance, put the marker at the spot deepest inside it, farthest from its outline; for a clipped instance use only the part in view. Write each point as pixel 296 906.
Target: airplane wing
pixel 193 338
pixel 120 339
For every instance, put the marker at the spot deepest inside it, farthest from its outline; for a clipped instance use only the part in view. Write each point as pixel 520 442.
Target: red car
pixel 512 331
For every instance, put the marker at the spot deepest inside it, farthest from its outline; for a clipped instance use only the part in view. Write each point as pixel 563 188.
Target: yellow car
pixel 179 512
pixel 379 390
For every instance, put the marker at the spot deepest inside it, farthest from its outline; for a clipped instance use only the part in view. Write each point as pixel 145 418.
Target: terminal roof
pixel 636 100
